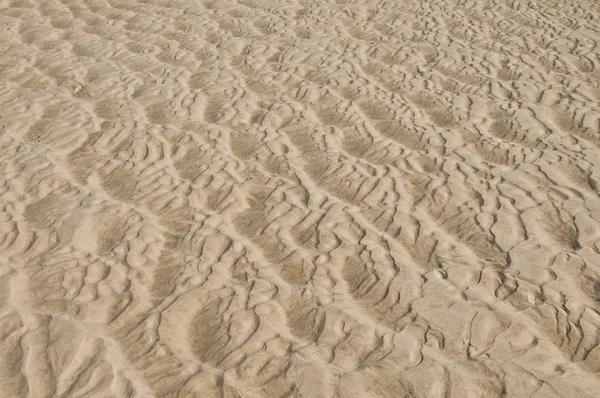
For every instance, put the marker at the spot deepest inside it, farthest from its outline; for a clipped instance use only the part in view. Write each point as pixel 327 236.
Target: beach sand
pixel 299 198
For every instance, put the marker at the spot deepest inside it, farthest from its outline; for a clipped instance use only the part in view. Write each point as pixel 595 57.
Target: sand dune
pixel 299 198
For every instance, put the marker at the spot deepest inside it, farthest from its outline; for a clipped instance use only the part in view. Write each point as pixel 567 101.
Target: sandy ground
pixel 294 198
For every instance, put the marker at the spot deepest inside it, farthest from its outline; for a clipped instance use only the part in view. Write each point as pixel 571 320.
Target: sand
pixel 299 198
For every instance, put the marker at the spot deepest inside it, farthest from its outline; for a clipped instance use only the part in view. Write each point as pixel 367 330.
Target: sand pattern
pixel 299 198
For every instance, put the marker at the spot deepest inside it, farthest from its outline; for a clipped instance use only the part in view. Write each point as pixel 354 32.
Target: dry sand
pixel 293 198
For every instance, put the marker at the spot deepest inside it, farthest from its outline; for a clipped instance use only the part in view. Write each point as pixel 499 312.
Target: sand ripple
pixel 295 198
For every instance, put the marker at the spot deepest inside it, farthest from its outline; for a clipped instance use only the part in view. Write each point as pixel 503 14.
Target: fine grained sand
pixel 293 198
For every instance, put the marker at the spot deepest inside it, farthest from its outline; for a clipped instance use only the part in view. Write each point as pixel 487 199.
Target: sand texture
pixel 299 198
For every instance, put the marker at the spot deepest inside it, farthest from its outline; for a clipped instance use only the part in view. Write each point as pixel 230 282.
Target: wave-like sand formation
pixel 299 198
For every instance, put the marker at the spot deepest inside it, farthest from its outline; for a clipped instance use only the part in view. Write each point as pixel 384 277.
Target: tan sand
pixel 299 198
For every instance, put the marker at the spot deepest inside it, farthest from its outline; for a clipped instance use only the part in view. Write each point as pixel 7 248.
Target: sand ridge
pixel 299 198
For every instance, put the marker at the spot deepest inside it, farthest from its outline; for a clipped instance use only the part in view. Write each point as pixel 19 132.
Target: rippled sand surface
pixel 299 198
